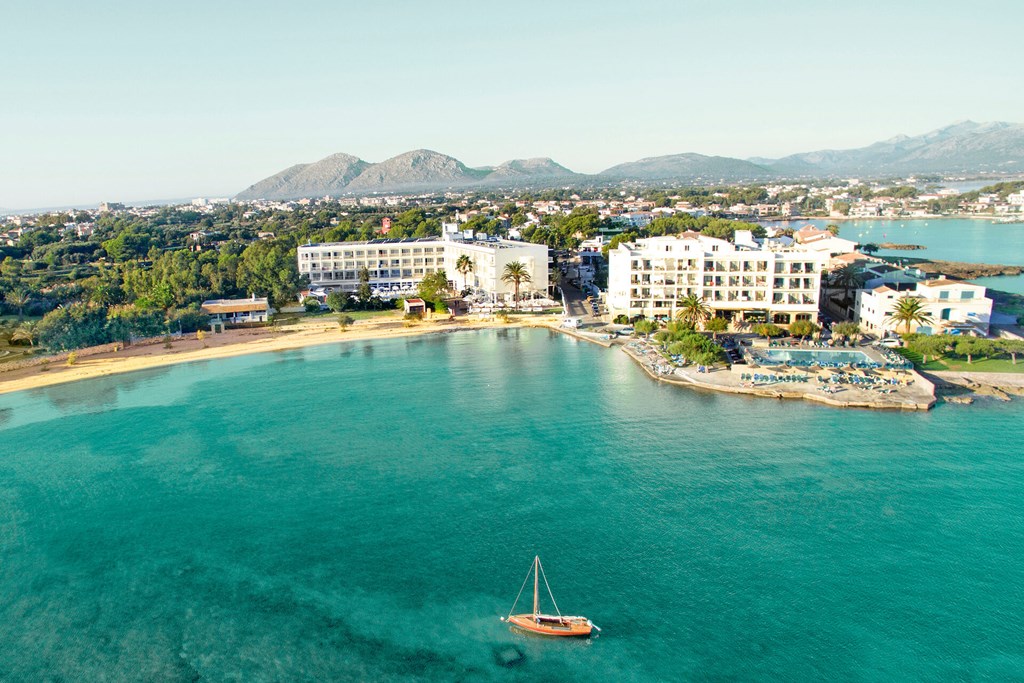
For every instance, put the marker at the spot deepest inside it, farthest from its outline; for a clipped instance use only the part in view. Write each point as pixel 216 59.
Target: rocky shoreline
pixel 966 387
pixel 892 246
pixel 958 270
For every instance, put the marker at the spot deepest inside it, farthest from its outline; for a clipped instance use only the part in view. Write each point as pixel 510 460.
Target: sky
pixel 127 101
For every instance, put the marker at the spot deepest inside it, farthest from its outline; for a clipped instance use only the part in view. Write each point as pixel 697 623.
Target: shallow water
pixel 367 510
pixel 947 239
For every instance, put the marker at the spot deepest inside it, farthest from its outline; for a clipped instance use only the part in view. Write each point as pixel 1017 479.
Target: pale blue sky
pixel 141 100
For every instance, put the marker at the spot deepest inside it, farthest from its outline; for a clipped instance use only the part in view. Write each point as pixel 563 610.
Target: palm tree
pixel 26 332
pixel 516 272
pixel 693 310
pixel 18 298
pixel 909 310
pixel 848 277
pixel 464 265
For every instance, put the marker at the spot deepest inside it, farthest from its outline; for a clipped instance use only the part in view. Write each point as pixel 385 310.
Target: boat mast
pixel 536 585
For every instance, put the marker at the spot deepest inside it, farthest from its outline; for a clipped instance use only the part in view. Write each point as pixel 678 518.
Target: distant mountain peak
pixel 961 147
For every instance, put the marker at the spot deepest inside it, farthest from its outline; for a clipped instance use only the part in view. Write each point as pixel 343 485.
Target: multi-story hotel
pixel 400 264
pixel 741 282
pixel 953 306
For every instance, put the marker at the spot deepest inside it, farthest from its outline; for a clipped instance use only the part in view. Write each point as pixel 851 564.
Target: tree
pixel 364 292
pixel 847 277
pixel 434 286
pixel 846 330
pixel 833 228
pixel 18 299
pixel 517 273
pixel 972 346
pixel 645 327
pixel 869 248
pixel 337 301
pixel 1012 347
pixel 127 245
pixel 715 325
pixel 269 268
pixel 803 329
pixel 464 265
pixel 909 310
pixel 693 310
pixel 311 304
pixel 26 332
pixel 768 330
pixel 73 327
pixel 929 345
pixel 344 321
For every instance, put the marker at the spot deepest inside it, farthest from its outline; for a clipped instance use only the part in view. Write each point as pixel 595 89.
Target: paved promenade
pixel 913 393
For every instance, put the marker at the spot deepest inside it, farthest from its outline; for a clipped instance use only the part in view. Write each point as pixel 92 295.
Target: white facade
pixel 951 304
pixel 651 276
pixel 489 259
pixel 401 264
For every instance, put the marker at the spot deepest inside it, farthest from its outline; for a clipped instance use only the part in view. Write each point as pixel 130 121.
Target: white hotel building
pixel 951 305
pixel 741 282
pixel 400 264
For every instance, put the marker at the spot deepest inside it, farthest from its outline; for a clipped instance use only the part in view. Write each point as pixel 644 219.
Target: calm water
pixel 947 239
pixel 367 511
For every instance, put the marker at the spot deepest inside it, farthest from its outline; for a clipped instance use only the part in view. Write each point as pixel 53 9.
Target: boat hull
pixel 564 627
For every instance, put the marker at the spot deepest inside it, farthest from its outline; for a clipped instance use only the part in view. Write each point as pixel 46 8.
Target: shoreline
pixel 867 401
pixel 946 387
pixel 235 343
pixel 931 217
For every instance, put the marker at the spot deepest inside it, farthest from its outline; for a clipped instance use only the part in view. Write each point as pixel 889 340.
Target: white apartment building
pixel 489 258
pixel 951 304
pixel 776 284
pixel 400 264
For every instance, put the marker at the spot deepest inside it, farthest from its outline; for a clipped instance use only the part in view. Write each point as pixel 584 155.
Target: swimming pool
pixel 809 356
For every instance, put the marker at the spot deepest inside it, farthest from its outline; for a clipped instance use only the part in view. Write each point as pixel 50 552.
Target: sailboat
pixel 546 624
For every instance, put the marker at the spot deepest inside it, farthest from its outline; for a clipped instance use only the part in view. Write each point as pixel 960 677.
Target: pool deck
pixel 916 392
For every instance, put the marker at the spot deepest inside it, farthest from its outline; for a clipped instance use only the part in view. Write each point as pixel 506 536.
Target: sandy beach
pixel 239 342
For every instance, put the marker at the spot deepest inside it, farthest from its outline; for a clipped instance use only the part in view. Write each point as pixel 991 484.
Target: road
pixel 577 306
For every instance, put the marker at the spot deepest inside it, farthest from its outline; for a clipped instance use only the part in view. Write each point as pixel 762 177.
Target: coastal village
pixel 793 311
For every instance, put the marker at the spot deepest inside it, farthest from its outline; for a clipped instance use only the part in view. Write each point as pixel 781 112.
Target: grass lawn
pixel 286 319
pixel 372 315
pixel 979 365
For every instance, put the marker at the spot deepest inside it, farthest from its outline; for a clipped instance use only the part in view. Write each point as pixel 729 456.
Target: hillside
pixel 687 167
pixel 964 147
pixel 419 170
pixel 327 177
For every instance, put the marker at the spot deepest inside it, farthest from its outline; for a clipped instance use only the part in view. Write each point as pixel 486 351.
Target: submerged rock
pixel 508 656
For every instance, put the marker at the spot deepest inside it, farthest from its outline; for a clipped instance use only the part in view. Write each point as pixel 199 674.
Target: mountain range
pixel 965 147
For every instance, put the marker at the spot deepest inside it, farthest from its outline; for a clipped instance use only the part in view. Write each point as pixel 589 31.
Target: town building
pixel 741 282
pixel 236 311
pixel 954 306
pixel 398 265
pixel 814 239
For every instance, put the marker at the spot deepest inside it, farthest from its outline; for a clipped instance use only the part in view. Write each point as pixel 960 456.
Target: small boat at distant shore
pixel 547 624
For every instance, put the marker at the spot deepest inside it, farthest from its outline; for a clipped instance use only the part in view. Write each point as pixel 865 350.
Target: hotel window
pixel 967 295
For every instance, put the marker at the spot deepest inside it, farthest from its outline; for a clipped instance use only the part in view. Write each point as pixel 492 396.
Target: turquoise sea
pixel 946 239
pixel 367 511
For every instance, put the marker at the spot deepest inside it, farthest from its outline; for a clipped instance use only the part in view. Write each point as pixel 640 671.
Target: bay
pixel 367 511
pixel 947 239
